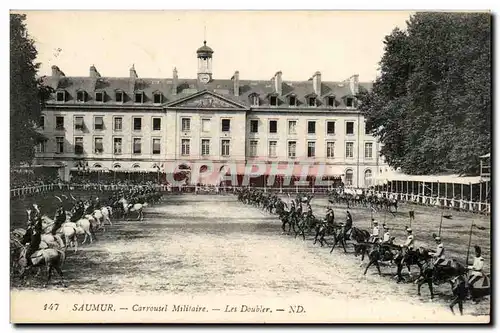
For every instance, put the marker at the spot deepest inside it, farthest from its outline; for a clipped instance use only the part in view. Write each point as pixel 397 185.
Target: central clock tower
pixel 204 55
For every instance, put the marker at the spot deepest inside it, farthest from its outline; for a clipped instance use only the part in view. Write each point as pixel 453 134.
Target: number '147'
pixel 51 307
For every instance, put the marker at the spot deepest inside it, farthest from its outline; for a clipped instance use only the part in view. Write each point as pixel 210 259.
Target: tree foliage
pixel 431 105
pixel 27 92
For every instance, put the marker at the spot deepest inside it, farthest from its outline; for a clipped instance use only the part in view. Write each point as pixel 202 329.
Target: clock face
pixel 204 78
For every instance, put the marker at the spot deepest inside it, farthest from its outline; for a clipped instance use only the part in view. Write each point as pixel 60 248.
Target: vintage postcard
pixel 250 167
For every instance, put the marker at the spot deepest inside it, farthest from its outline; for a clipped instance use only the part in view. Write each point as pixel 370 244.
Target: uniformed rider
pixel 439 254
pixel 476 270
pixel 375 232
pixel 387 235
pixel 409 244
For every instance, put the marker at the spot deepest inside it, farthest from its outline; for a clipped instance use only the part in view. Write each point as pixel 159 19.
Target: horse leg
pixel 336 239
pixel 343 245
pixel 429 282
pixel 49 275
pixel 368 266
pixel 378 267
pixel 59 271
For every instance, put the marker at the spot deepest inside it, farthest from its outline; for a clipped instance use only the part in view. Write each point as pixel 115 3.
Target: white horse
pixel 127 208
pixel 68 231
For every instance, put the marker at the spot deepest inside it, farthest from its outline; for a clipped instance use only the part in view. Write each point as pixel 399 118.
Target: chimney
pixel 236 83
pixel 354 84
pixel 133 77
pixel 278 82
pixel 133 73
pixel 93 73
pixel 56 76
pixel 317 83
pixel 175 81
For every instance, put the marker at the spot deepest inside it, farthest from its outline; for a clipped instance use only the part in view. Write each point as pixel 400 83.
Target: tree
pixel 431 104
pixel 27 92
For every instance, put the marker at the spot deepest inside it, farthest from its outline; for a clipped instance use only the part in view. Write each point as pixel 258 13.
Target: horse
pixel 51 258
pixel 432 274
pixel 138 207
pixel 408 258
pixel 380 252
pixel 67 230
pixel 358 235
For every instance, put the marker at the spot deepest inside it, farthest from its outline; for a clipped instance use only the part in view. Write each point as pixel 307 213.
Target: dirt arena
pixel 214 245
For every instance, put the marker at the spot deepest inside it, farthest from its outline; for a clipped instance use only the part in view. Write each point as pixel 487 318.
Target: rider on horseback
pixel 387 235
pixel 59 219
pixel 33 236
pixel 409 244
pixel 439 254
pixel 346 228
pixel 375 233
pixel 477 267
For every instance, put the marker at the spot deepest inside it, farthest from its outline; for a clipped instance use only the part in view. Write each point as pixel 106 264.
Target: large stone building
pixel 133 123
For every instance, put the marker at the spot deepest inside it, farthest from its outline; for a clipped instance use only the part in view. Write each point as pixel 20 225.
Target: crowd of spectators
pixel 27 179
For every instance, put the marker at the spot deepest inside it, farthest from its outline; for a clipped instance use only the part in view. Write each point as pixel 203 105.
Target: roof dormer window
pixel 158 98
pixel 311 101
pixel 273 100
pixel 292 100
pixel 99 96
pixel 349 102
pixel 139 97
pixel 119 96
pixel 330 101
pixel 254 99
pixel 61 96
pixel 81 96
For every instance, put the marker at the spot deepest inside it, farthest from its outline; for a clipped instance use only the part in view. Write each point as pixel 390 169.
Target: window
pixel 185 147
pixel 205 125
pixel 311 127
pixel 254 126
pixel 368 178
pixel 292 127
pixel 59 123
pixel 255 100
pixel 41 147
pixel 272 148
pixel 99 96
pixel 311 101
pixel 79 145
pixel 59 145
pixel 157 98
pixel 41 122
pixel 81 96
pixel 273 101
pixel 348 177
pixel 368 150
pixel 292 100
pixel 117 146
pixel 349 127
pixel 118 123
pixel 79 126
pixel 226 125
pixel 367 131
pixel 156 147
pixel 330 101
pixel 349 102
pixel 186 124
pixel 253 148
pixel 139 97
pixel 330 149
pixel 156 124
pixel 98 123
pixel 137 124
pixel 225 148
pixel 205 147
pixel 292 149
pixel 61 96
pixel 98 147
pixel 311 149
pixel 330 127
pixel 273 126
pixel 349 149
pixel 137 146
pixel 119 96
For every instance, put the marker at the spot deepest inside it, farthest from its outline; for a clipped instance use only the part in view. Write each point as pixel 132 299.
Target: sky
pixel 257 44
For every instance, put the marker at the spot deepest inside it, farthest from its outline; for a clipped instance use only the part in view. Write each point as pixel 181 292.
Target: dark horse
pixel 432 274
pixel 358 235
pixel 380 252
pixel 409 258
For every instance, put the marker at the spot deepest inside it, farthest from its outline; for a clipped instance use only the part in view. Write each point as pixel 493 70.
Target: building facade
pixel 133 123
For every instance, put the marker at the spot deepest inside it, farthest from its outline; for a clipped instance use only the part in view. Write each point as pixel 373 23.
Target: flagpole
pixel 468 247
pixel 440 223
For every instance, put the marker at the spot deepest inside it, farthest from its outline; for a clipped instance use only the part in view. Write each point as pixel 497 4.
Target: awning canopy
pixel 450 179
pixel 485 156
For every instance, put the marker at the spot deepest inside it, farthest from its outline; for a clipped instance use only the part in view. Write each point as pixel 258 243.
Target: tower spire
pixel 205 34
